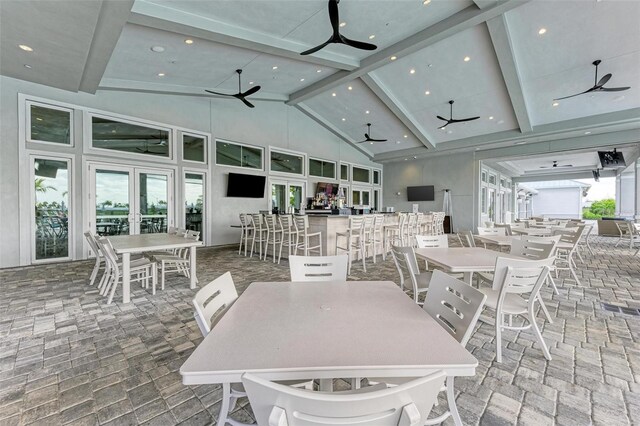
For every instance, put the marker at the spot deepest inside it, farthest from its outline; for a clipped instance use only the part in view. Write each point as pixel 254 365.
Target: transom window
pixel 360 174
pixel 376 177
pixel 282 162
pixel 344 171
pixel 51 124
pixel 116 135
pixel 322 168
pixel 194 148
pixel 237 155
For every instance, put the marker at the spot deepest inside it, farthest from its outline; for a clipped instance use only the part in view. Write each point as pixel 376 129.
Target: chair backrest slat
pixel 213 300
pixel 318 268
pixel 408 404
pixel 492 231
pixel 432 241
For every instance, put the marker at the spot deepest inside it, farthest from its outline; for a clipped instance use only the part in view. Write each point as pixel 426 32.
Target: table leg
pixel 224 406
pixel 326 385
pixel 467 277
pixel 126 277
pixel 192 267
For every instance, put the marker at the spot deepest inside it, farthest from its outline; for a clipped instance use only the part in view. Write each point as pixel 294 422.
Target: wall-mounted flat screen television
pixel 327 188
pixel 611 159
pixel 420 193
pixel 245 186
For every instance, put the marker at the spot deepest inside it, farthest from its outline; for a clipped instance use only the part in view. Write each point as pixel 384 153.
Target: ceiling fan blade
pixel 218 93
pixel 251 91
pixel 377 140
pixel 566 165
pixel 315 49
pixel 334 16
pixel 577 94
pixel 366 135
pixel 445 125
pixel 614 89
pixel 442 118
pixel 604 80
pixel 246 102
pixel 461 120
pixel 358 44
pixel 363 141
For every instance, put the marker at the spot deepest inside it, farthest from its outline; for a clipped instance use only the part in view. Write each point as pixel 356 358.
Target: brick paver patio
pixel 68 358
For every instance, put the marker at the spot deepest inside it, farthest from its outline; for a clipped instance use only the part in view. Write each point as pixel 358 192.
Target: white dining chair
pixel 275 237
pixel 456 306
pixel 352 241
pixel 406 405
pixel 259 234
pixel 246 226
pixel 432 241
pixel 466 238
pixel 564 257
pixel 307 241
pixel 179 262
pixel 289 233
pixel 93 244
pixel 492 231
pixel 318 268
pixel 407 265
pixel 628 232
pixel 514 293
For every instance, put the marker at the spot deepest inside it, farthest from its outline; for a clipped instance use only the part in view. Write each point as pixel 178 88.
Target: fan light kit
pixel 598 85
pixel 555 165
pixel 451 120
pixel 336 37
pixel 25 48
pixel 368 138
pixel 157 49
pixel 188 41
pixel 240 95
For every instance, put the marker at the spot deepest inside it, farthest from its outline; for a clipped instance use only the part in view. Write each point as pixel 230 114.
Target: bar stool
pixel 259 233
pixel 246 223
pixel 374 232
pixel 410 229
pixel 355 240
pixel 302 225
pixel 274 236
pixel 393 233
pixel 289 232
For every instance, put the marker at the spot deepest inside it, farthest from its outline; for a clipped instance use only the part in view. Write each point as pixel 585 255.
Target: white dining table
pixel 463 259
pixel 498 240
pixel 537 232
pixel 324 330
pixel 125 245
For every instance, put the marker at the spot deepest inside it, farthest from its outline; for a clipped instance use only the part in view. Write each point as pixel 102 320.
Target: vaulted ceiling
pixel 505 61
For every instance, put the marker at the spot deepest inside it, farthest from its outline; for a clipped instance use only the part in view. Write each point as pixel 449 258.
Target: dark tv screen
pixel 245 186
pixel 420 193
pixel 611 159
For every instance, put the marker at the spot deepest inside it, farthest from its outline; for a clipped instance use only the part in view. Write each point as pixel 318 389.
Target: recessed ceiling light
pixel 415 156
pixel 344 119
pixel 275 67
pixel 343 24
pixel 188 41
pixel 350 88
pixel 319 71
pixel 251 82
pixel 412 71
pixel 40 119
pixel 406 159
pixel 393 58
pixel 449 131
pixel 302 79
pixel 366 112
pixel 27 66
pixel 500 121
pixel 25 48
pixel 587 133
pixel 555 104
pixel 430 65
pixel 427 92
pixel 372 36
pixel 398 142
pixel 160 74
pixel 542 31
pixel 520 143
pixel 467 59
pixel 157 49
pixel 426 2
pixel 370 143
pixel 334 94
pixel 491 117
pixel 406 136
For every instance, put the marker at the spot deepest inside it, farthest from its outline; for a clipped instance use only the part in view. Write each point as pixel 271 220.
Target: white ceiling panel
pixel 476 86
pixel 204 63
pixel 352 105
pixel 558 62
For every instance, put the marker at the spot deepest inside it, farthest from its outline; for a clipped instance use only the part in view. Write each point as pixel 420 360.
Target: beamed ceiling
pixel 504 61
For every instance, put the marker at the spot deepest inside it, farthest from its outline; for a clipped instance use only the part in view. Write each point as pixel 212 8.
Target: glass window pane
pixel 365 197
pixel 153 203
pixel 279 197
pixel 287 163
pixel 344 171
pixel 329 169
pixel 194 201
pixel 112 202
pixel 315 167
pixel 50 125
pixel 51 184
pixel 376 177
pixel 355 198
pixel 193 148
pixel 295 196
pixel 126 137
pixel 228 154
pixel 360 175
pixel 251 158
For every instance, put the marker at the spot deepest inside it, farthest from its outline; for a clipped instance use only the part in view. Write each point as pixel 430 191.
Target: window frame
pixel 348 179
pixel 373 172
pixel 292 153
pixel 335 168
pixel 182 133
pixel 204 232
pixel 90 149
pixel 27 108
pixel 359 182
pixel 241 145
pixel 361 189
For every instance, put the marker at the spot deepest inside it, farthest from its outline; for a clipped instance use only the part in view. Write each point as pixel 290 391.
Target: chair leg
pixel 544 309
pixel 162 273
pixel 116 279
pixel 553 283
pixel 94 273
pixel 451 400
pixel 241 238
pixel 499 321
pixel 224 406
pixel 536 331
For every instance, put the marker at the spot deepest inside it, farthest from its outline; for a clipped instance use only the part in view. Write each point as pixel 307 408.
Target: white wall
pixel 269 124
pixel 565 203
pixel 626 192
pixel 456 172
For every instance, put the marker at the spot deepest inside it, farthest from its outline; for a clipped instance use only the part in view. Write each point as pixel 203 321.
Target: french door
pixel 130 200
pixel 286 195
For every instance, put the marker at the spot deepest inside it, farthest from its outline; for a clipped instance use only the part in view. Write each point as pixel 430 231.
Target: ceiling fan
pixel 598 86
pixel 146 149
pixel 240 95
pixel 369 138
pixel 555 165
pixel 451 120
pixel 334 17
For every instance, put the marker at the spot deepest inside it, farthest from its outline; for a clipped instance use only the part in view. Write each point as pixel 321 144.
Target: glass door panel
pixel 112 201
pixel 152 196
pixel 279 200
pixel 194 202
pixel 51 206
pixel 296 196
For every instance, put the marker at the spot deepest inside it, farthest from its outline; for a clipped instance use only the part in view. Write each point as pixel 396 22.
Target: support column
pixel 637 214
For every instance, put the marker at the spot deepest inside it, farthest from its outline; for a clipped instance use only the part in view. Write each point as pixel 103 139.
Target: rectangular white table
pixel 537 232
pixel 463 259
pixel 499 240
pixel 128 244
pixel 325 330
